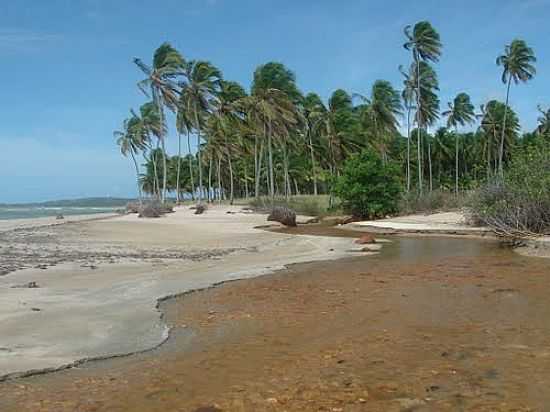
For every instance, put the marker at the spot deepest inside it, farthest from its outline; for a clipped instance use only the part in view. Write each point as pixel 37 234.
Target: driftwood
pixel 283 215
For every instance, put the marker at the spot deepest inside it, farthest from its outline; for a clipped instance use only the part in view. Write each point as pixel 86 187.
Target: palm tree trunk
pixel 456 161
pixel 137 176
pixel 219 179
pixel 178 170
pixel 313 170
pixel 408 149
pixel 419 123
pixel 246 194
pixel 429 160
pixel 190 158
pixel 197 127
pixel 210 180
pixel 256 170
pixel 270 153
pixel 155 171
pixel 163 144
pixel 501 152
pixel 231 178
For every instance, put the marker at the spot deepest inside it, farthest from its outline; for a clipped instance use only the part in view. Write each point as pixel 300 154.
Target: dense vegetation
pixel 276 141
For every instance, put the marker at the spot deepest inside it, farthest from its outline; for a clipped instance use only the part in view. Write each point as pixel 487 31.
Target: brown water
pixel 430 324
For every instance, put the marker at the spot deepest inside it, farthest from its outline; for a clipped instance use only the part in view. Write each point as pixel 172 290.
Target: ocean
pixel 17 212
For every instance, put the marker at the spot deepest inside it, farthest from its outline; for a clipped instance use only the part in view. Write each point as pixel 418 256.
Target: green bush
pixel 368 188
pixel 519 204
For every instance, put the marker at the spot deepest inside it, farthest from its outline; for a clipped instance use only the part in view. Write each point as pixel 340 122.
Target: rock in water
pixel 60 217
pixel 283 215
pixel 365 239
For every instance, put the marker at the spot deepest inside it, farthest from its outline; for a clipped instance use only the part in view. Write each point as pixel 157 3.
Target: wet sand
pixel 429 325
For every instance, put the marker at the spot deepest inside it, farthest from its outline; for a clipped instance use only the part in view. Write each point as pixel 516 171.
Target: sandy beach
pixel 440 323
pixel 98 281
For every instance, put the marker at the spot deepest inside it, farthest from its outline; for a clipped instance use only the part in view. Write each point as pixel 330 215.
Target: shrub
pixel 519 204
pixel 154 209
pixel 369 188
pixel 429 202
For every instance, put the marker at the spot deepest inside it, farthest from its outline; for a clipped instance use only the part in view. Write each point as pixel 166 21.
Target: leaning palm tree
pixel 381 114
pixel 198 95
pixel 461 112
pixel 425 45
pixel 518 66
pixel 160 84
pixel 132 140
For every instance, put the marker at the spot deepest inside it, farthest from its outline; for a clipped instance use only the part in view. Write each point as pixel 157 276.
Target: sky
pixel 68 81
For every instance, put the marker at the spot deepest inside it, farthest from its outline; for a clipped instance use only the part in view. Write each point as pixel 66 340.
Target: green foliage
pixel 368 188
pixel 430 202
pixel 520 204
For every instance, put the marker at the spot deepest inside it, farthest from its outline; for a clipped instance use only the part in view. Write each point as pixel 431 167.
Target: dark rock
pixel 36 309
pixel 200 209
pixel 283 215
pixel 59 217
pixel 365 239
pixel 132 207
pixel 208 409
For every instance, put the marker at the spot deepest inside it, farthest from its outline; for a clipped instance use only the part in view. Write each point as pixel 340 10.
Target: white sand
pixel 442 223
pixel 87 313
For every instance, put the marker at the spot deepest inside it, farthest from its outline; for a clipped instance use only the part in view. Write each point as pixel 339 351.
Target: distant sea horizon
pixel 86 206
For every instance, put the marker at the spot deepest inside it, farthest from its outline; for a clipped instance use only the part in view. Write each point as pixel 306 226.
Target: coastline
pixel 103 296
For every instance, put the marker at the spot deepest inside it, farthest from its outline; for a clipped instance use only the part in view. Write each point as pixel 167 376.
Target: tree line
pixel 276 141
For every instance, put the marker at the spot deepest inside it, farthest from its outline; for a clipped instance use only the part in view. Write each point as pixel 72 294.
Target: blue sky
pixel 68 80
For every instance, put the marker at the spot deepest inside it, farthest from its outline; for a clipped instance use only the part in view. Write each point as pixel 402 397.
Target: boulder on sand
pixel 152 209
pixel 132 207
pixel 365 239
pixel 200 209
pixel 283 215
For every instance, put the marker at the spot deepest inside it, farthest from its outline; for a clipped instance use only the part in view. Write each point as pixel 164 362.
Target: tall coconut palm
pixel 518 66
pixel 184 125
pixel 408 96
pixel 427 110
pixel 461 112
pixel 275 111
pixel 425 45
pixel 198 95
pixel 314 113
pixel 161 84
pixel 131 140
pixel 227 122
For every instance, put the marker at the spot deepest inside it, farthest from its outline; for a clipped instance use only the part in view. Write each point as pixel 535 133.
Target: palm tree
pixel 461 112
pixel 425 44
pixel 184 125
pixel 152 127
pixel 132 140
pixel 314 111
pixel 407 95
pixel 160 84
pixel 381 114
pixel 518 65
pixel 198 95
